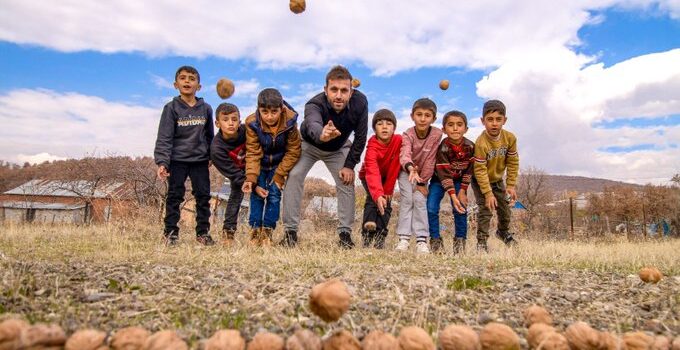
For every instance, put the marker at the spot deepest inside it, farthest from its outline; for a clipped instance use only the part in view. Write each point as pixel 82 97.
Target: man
pixel 330 118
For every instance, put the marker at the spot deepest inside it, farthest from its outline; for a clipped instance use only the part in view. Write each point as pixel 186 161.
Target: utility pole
pixel 571 216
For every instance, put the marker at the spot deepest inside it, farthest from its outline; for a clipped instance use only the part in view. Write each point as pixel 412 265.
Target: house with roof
pixel 59 201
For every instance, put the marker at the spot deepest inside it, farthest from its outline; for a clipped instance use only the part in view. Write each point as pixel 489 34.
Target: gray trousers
pixel 292 193
pixel 412 211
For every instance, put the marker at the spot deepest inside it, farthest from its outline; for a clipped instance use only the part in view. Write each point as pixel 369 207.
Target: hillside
pixel 580 184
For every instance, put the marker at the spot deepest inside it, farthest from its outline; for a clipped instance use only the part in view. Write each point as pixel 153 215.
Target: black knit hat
pixel 493 106
pixel 384 114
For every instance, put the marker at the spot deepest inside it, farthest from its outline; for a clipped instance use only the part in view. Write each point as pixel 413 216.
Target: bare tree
pixel 533 192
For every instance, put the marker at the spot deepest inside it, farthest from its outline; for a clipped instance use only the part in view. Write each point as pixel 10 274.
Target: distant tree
pixel 533 192
pixel 676 180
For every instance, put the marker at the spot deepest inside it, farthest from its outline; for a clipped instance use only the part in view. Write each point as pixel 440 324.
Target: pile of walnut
pixel 330 300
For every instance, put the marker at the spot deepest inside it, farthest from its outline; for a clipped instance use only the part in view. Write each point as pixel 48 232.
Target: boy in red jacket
pixel 378 175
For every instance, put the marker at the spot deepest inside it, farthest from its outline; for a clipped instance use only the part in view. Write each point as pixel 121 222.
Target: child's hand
pixel 261 192
pixel 512 193
pixel 382 204
pixel 457 205
pixel 247 187
pixel 413 176
pixel 422 189
pixel 162 172
pixel 462 197
pixel 490 202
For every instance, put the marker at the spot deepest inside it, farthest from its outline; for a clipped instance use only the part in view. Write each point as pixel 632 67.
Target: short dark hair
pixel 458 114
pixel 384 114
pixel 338 73
pixel 269 98
pixel 493 106
pixel 188 69
pixel 425 103
pixel 227 108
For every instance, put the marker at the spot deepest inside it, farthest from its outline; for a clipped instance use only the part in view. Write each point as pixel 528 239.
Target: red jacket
pixel 381 166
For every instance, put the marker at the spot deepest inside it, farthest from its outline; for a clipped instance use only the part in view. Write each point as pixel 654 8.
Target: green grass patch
pixel 469 282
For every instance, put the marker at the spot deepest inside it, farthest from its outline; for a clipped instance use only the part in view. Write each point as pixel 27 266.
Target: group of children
pixel 257 155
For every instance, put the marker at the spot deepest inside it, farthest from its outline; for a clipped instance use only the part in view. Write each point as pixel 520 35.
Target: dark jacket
pixel 269 148
pixel 229 155
pixel 184 132
pixel 354 118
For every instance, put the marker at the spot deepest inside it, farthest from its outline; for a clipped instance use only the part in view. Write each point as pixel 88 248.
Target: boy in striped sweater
pixel 495 152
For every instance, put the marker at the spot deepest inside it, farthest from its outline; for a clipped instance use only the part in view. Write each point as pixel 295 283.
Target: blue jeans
pixel 434 198
pixel 264 212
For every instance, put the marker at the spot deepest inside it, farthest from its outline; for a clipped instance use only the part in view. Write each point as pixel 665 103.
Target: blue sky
pixel 592 90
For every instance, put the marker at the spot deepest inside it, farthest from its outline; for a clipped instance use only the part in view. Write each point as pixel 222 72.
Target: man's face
pixel 338 92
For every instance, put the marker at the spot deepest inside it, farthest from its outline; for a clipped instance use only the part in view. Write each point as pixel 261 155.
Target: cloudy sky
pixel 592 86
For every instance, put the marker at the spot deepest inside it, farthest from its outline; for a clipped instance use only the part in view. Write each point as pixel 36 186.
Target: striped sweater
pixel 455 163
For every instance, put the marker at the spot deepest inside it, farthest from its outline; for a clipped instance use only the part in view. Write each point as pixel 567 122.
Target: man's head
pixel 338 87
pixel 187 80
pixel 384 123
pixel 227 119
pixel 270 106
pixel 493 117
pixel 423 113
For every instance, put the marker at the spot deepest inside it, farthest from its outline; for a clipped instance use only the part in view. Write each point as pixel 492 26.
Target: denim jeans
pixel 200 188
pixel 264 212
pixel 434 199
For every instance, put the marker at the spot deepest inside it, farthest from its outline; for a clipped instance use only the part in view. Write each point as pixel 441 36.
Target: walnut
pixel 225 339
pixel 459 337
pixel 661 343
pixel 266 341
pixel 638 341
pixel 444 84
pixel 303 339
pixel 164 340
pixel 130 338
pixel 10 330
pixel 610 341
pixel 341 340
pixel 297 6
pixel 225 88
pixel 87 339
pixel 497 336
pixel 650 274
pixel 553 341
pixel 537 332
pixel 329 300
pixel 415 338
pixel 676 343
pixel 356 83
pixel 41 336
pixel 582 337
pixel 536 314
pixel 379 340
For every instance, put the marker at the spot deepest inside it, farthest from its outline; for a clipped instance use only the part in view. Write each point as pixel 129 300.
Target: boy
pixel 272 149
pixel 228 152
pixel 378 175
pixel 183 149
pixel 495 151
pixel 454 168
pixel 418 152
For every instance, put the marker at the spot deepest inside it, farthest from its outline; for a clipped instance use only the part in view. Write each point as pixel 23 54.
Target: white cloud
pixel 385 35
pixel 70 125
pixel 246 88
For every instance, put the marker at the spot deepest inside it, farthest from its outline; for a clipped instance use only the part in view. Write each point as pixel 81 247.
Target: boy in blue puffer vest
pixel 273 147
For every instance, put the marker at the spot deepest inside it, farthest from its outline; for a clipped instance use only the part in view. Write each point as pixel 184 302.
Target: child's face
pixel 493 123
pixel 187 83
pixel 228 123
pixel 423 118
pixel 338 92
pixel 384 129
pixel 455 128
pixel 270 116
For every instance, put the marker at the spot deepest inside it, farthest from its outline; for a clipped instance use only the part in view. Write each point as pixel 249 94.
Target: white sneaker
pixel 422 248
pixel 402 245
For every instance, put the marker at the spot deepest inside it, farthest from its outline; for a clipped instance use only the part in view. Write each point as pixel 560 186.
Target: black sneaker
pixel 482 246
pixel 345 240
pixel 367 238
pixel 170 238
pixel 379 241
pixel 205 239
pixel 290 239
pixel 507 238
pixel 458 245
pixel 437 245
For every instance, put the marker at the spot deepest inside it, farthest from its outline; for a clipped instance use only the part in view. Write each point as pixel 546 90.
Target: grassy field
pixel 110 277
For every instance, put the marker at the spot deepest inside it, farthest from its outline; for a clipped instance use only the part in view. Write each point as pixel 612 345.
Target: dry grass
pixel 113 276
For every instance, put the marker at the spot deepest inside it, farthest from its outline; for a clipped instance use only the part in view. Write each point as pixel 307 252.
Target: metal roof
pixel 58 188
pixel 39 205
